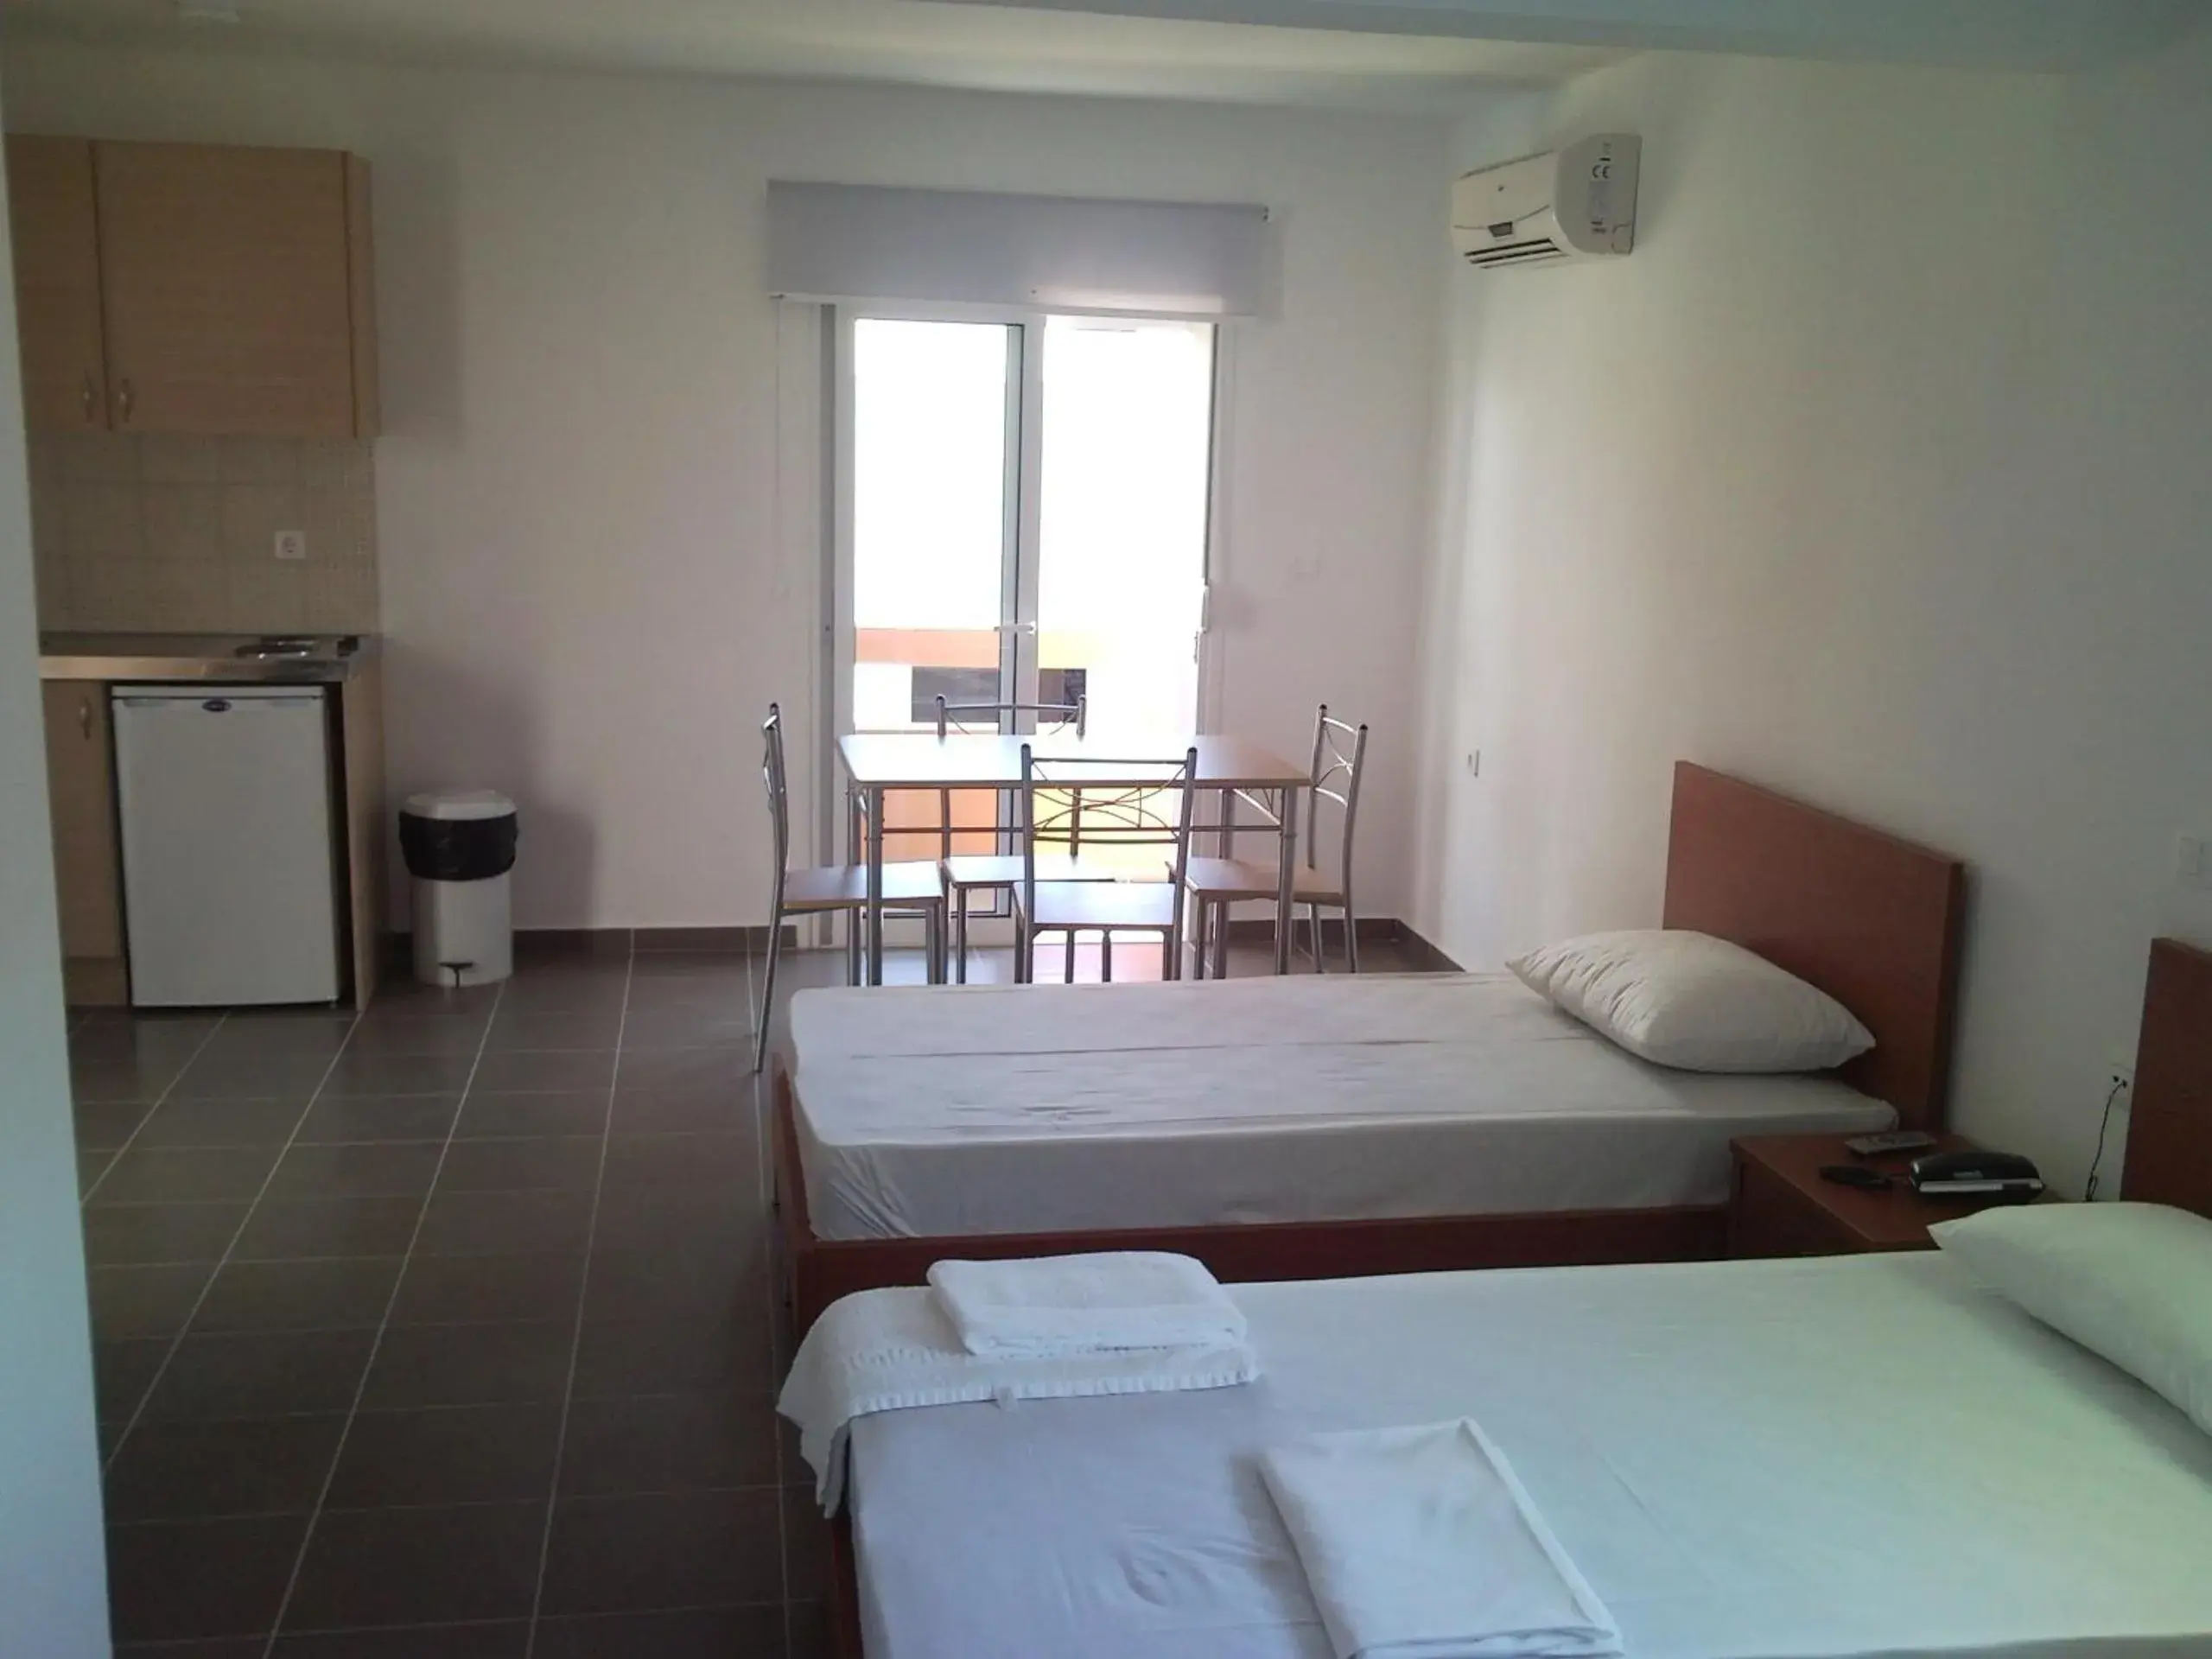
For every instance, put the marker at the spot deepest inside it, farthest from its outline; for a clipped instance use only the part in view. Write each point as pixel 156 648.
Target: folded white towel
pixel 1077 1304
pixel 888 1350
pixel 1418 1543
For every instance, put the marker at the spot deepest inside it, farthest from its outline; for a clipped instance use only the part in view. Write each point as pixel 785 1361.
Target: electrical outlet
pixel 2193 860
pixel 291 543
pixel 2120 1081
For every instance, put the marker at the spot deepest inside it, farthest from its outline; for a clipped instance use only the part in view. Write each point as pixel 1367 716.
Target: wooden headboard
pixel 2170 1123
pixel 1872 921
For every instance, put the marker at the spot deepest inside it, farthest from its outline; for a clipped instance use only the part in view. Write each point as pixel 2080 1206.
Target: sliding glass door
pixel 1022 511
pixel 1127 417
pixel 933 484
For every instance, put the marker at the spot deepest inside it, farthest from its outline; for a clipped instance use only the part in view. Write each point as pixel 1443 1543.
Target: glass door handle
pixel 1016 627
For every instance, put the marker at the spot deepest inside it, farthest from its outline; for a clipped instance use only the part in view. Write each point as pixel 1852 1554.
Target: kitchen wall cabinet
pixel 58 284
pixel 235 289
pixel 80 784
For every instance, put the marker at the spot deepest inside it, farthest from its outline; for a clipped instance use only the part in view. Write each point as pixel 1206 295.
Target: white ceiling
pixel 1415 55
pixel 2046 35
pixel 918 41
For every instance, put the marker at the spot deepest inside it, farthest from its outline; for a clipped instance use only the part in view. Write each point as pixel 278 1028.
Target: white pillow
pixel 1694 1003
pixel 2130 1281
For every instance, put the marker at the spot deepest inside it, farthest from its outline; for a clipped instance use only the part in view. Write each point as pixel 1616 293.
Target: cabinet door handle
pixel 123 399
pixel 84 717
pixel 91 398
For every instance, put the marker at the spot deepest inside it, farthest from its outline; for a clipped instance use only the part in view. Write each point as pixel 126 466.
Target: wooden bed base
pixel 822 1270
pixel 844 1590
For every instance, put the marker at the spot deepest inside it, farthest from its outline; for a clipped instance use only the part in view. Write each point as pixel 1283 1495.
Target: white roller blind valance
pixel 957 247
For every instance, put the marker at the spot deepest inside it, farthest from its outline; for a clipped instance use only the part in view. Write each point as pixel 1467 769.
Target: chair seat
pixel 1147 906
pixel 844 886
pixel 1004 870
pixel 1236 878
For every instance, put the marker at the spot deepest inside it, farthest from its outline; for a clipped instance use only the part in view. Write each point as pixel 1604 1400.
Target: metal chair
pixel 1340 758
pixel 1092 799
pixel 967 873
pixel 967 716
pixel 908 888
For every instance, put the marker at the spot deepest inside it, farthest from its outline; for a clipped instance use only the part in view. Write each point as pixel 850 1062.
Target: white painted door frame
pixel 816 399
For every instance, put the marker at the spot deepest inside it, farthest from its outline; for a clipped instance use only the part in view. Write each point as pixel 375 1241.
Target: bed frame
pixel 1872 921
pixel 2169 1121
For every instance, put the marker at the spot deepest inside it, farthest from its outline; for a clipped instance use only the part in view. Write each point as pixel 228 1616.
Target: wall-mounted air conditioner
pixel 1578 203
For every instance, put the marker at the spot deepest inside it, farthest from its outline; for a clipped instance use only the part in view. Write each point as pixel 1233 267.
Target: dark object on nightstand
pixel 2003 1177
pixel 1782 1204
pixel 1857 1175
pixel 1880 1146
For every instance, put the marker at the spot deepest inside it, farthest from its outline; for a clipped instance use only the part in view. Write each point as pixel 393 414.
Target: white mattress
pixel 932 1111
pixel 1864 1456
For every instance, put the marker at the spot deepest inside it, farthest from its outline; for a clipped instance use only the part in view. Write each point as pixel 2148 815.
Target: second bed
pixel 1303 1127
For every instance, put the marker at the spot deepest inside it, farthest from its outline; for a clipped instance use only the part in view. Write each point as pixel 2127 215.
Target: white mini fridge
pixel 229 879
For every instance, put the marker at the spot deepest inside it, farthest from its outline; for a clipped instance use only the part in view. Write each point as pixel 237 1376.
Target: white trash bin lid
pixel 451 805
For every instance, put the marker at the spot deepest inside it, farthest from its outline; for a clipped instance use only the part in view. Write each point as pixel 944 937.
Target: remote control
pixel 1854 1175
pixel 1875 1145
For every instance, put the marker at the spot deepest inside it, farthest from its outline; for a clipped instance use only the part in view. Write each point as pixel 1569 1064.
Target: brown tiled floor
pixel 450 1331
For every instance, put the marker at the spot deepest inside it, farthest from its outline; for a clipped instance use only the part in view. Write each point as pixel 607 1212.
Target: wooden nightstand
pixel 1779 1205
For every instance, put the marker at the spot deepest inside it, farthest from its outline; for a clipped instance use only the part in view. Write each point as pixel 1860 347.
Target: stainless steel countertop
pixel 330 660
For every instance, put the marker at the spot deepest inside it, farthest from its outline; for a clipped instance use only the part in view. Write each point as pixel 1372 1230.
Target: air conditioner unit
pixel 1574 203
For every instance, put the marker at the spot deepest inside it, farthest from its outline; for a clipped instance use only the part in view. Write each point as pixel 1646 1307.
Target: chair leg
pixel 1351 942
pixel 1067 970
pixel 768 992
pixel 852 947
pixel 960 938
pixel 1221 941
pixel 1171 956
pixel 1313 922
pixel 1106 959
pixel 935 966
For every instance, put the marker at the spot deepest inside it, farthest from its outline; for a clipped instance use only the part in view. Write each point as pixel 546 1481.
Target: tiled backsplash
pixel 178 535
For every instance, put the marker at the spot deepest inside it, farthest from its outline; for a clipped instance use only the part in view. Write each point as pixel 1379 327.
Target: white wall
pixel 52 1565
pixel 576 494
pixel 1878 472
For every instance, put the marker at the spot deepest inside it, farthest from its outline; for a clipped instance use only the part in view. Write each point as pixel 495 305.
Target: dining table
pixel 876 763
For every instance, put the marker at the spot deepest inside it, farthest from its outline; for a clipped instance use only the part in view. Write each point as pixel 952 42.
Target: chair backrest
pixel 772 779
pixel 967 719
pixel 1101 803
pixel 971 717
pixel 1339 759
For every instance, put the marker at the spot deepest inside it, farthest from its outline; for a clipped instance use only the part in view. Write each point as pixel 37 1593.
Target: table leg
pixel 855 921
pixel 875 885
pixel 1224 912
pixel 1286 870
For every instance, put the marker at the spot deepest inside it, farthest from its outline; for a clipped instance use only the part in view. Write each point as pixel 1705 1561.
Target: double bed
pixel 1312 1127
pixel 1863 1456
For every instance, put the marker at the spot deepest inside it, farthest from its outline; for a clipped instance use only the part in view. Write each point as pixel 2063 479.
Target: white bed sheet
pixel 1864 1456
pixel 959 1111
pixel 891 1022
